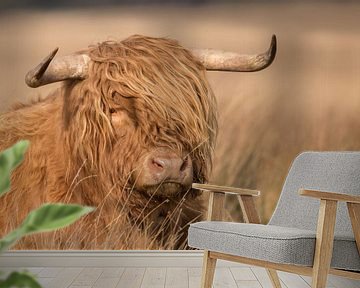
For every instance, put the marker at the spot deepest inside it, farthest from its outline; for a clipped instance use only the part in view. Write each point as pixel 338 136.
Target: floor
pixel 143 269
pixel 171 277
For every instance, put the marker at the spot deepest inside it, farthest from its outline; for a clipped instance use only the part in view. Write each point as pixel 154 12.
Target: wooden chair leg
pixel 354 212
pixel 274 278
pixel 208 271
pixel 324 243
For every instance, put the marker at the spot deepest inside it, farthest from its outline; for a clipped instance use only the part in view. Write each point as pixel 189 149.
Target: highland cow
pixel 132 127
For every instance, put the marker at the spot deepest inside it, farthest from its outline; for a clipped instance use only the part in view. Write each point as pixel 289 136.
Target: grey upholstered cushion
pixel 269 243
pixel 289 237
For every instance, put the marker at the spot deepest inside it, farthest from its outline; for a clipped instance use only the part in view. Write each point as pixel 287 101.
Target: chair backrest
pixel 326 171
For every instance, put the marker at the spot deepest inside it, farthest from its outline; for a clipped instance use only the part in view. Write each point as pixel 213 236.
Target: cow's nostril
pixel 184 164
pixel 160 164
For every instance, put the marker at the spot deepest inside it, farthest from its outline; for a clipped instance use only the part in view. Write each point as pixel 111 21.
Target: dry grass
pixel 117 230
pixel 121 233
pixel 309 99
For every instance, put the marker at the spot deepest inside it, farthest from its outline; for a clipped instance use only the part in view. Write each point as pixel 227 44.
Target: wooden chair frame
pixel 324 235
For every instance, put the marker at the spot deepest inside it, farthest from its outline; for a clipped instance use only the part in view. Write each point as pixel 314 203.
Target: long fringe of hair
pixel 174 103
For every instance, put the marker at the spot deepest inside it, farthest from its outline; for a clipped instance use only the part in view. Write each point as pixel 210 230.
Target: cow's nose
pixel 168 171
pixel 170 167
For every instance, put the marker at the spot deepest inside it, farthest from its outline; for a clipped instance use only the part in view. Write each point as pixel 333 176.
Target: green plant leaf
pixel 10 239
pixel 53 216
pixel 9 159
pixel 19 279
pixel 48 217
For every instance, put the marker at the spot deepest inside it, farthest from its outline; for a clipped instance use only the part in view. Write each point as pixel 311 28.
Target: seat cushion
pixel 270 243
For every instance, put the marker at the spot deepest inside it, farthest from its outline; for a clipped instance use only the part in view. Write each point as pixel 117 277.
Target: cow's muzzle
pixel 165 168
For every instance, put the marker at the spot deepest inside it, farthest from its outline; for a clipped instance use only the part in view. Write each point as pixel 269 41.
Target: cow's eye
pixel 120 118
pixel 112 110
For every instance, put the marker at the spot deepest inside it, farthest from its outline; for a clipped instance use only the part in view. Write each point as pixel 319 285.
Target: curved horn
pixel 228 61
pixel 67 67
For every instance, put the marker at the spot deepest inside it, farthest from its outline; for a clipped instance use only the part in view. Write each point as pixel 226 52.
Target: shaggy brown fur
pixel 89 136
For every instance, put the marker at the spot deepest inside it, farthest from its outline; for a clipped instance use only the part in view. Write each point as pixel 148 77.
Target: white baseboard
pixel 128 258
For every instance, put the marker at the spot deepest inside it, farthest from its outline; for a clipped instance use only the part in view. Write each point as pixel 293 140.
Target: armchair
pixel 312 231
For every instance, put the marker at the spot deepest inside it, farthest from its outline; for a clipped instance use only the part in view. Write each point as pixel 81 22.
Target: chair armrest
pixel 216 201
pixel 224 189
pixel 330 196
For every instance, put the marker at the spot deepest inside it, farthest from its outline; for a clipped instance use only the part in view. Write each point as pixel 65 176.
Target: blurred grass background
pixel 309 99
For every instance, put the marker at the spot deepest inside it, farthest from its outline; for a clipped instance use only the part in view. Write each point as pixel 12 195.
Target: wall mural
pixel 133 122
